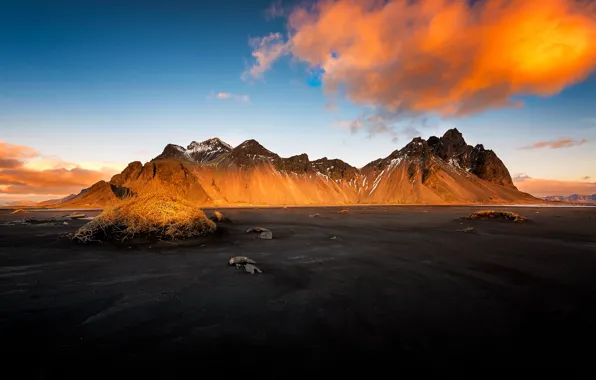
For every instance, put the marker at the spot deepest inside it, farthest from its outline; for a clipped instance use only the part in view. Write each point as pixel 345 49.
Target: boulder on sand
pixel 263 232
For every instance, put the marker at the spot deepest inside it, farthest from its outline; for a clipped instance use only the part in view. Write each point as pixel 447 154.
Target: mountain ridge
pixel 573 198
pixel 435 171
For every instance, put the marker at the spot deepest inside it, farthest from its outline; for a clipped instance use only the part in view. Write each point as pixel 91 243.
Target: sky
pixel 88 86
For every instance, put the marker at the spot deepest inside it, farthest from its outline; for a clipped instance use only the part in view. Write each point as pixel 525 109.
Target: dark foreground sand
pixel 400 288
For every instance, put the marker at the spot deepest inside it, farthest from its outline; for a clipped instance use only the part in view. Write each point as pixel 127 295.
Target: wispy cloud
pixel 228 95
pixel 382 124
pixel 275 10
pixel 586 178
pixel 266 50
pixel 556 144
pixel 451 58
pixel 520 177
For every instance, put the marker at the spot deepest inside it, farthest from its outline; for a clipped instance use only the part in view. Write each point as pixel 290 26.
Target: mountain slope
pixel 438 171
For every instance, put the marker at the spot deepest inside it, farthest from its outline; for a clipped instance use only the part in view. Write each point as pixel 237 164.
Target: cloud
pixel 10 163
pixel 545 187
pixel 444 57
pixel 24 172
pixel 227 95
pixel 586 178
pixel 223 95
pixel 266 50
pixel 520 177
pixel 15 151
pixel 382 123
pixel 275 10
pixel 556 144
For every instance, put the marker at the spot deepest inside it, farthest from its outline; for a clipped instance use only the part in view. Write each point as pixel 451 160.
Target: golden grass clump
pixel 156 214
pixel 502 215
pixel 344 211
pixel 19 211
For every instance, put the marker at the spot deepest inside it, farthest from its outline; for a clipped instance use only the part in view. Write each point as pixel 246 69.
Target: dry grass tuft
pixel 217 217
pixel 344 211
pixel 19 211
pixel 159 215
pixel 501 215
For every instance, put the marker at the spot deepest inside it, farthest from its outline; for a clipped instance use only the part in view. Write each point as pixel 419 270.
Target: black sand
pixel 399 288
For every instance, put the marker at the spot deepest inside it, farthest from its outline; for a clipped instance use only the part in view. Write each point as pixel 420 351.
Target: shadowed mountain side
pixel 440 171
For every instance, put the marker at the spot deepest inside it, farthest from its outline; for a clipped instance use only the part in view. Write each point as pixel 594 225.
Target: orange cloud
pixel 440 56
pixel 556 144
pixel 14 151
pixel 18 176
pixel 545 187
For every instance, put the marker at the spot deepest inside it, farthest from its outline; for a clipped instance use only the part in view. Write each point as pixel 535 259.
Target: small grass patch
pixel 217 217
pixel 497 215
pixel 158 215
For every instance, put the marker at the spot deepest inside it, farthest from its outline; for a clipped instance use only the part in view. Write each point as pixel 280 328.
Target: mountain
pixel 573 198
pixel 19 204
pixel 199 152
pixel 58 201
pixel 440 170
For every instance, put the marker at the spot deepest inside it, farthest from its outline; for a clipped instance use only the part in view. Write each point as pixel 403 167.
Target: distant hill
pixel 440 170
pixel 19 204
pixel 573 198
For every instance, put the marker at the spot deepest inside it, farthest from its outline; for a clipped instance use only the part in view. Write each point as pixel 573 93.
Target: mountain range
pixel 573 198
pixel 440 170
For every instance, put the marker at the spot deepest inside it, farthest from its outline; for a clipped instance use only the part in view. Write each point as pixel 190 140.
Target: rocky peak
pixel 417 147
pixel 485 164
pixel 207 150
pixel 252 147
pixel 296 164
pixel 335 169
pixel 131 172
pixel 451 145
pixel 211 144
pixel 199 152
pixel 250 153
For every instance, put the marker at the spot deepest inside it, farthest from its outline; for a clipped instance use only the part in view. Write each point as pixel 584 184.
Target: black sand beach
pixel 400 287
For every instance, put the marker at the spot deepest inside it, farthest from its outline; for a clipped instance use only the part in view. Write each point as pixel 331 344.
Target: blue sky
pixel 109 82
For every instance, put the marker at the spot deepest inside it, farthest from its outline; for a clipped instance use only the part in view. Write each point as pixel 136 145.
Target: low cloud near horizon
pixel 545 187
pixel 555 144
pixel 25 174
pixel 441 57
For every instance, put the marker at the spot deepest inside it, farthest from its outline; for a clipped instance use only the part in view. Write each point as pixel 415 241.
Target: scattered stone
pixel 266 235
pixel 257 229
pixel 243 262
pixel 263 232
pixel 65 223
pixel 335 238
pixel 240 260
pixel 467 229
pixel 314 216
pixel 249 268
pixel 74 215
